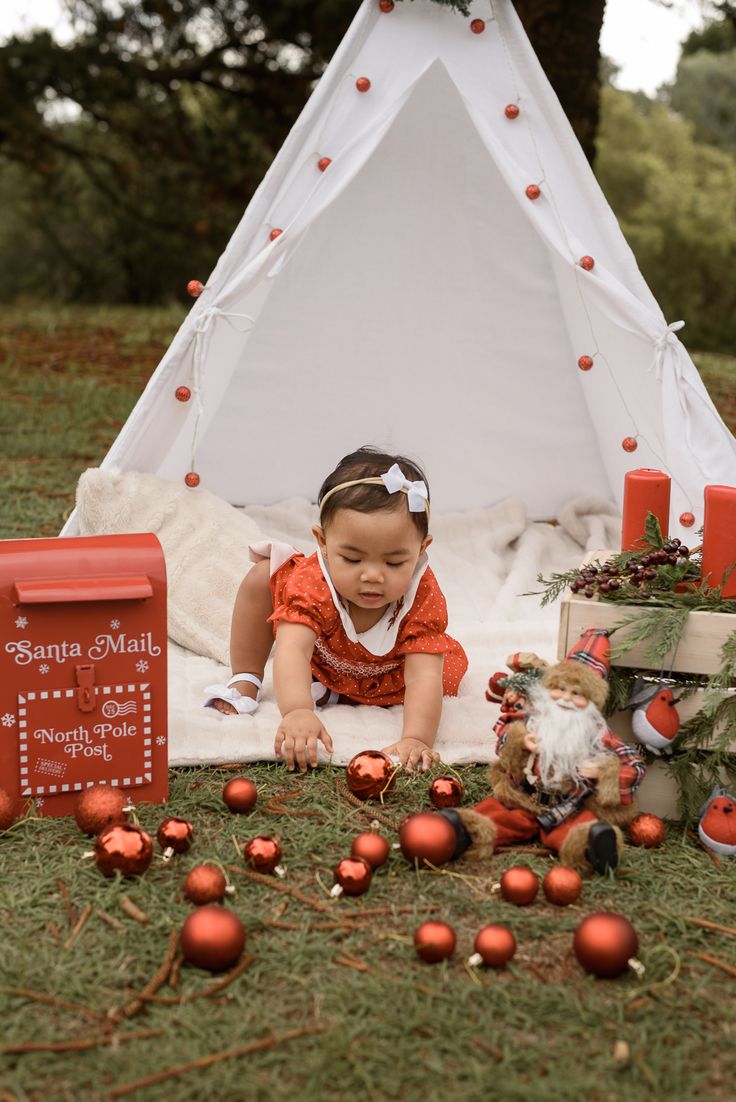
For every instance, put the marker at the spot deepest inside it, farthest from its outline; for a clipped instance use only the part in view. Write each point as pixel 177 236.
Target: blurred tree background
pixel 128 154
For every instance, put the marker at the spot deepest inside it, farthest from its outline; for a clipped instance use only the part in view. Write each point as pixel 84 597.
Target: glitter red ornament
pixel 587 262
pixel 562 886
pixel 519 885
pixel 687 520
pixel 446 792
pixel 192 479
pixel 98 807
pixel 123 848
pixel 240 795
pixel 386 5
pixel 533 191
pixel 205 884
pixel 605 944
pixel 195 288
pixel 363 84
pixel 263 853
pixel 372 847
pixel 323 163
pixel 212 938
pixel 629 444
pixel 512 111
pixel 352 875
pixel 276 232
pixel 477 26
pixel 175 836
pixel 7 810
pixel 434 941
pixel 585 363
pixel 182 394
pixel 647 830
pixel 427 838
pixel 369 774
pixel 494 945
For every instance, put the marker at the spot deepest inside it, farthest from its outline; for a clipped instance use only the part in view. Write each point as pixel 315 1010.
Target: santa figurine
pixel 562 775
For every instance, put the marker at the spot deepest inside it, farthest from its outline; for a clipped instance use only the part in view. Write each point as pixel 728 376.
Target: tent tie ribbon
pixel 665 340
pixel 202 334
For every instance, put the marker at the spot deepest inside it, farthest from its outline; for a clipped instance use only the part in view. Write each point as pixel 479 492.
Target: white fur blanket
pixel 485 560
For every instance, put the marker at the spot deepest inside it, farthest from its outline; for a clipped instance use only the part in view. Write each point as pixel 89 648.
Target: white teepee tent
pixel 418 299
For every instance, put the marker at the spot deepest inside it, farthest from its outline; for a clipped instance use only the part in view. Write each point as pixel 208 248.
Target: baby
pixel 361 621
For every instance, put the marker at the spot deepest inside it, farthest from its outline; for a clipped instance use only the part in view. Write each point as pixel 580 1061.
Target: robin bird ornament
pixel 655 720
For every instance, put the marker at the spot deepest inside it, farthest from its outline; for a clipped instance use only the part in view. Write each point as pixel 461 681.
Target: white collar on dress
pixel 382 636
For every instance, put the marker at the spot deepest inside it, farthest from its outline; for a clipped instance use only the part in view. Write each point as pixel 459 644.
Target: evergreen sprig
pixel 658 628
pixel 463 6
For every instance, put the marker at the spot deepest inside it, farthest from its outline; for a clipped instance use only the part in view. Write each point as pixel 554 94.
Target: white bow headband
pixel 395 482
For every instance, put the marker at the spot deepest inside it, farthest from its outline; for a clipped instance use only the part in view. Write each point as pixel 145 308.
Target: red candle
pixel 719 537
pixel 645 491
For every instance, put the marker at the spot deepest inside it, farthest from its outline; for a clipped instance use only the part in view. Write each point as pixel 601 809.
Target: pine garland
pixel 463 6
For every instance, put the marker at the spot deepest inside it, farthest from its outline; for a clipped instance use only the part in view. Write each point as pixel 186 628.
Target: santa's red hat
pixel 585 668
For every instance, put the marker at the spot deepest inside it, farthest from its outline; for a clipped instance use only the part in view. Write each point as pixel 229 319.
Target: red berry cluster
pixel 640 571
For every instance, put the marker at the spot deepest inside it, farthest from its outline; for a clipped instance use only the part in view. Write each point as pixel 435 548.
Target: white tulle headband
pixel 395 482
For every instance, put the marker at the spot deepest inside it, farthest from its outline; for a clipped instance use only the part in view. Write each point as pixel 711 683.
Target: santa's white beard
pixel 567 736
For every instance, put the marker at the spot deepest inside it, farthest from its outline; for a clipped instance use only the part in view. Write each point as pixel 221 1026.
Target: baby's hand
pixel 412 753
pixel 296 739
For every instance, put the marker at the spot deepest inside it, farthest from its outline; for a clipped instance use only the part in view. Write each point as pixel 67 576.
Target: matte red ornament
pixel 533 191
pixel 587 262
pixel 212 938
pixel 123 848
pixel 512 110
pixel 519 885
pixel 7 810
pixel 585 363
pixel 372 847
pixel 562 886
pixel 369 774
pixel 434 941
pixel 427 838
pixel 262 853
pixel 647 830
pixel 205 884
pixel 175 836
pixel 629 444
pixel 687 520
pixel 363 84
pixel 353 875
pixel 494 945
pixel 276 232
pixel 477 26
pixel 192 479
pixel 386 5
pixel 446 792
pixel 98 807
pixel 323 163
pixel 240 795
pixel 604 943
pixel 195 288
pixel 182 394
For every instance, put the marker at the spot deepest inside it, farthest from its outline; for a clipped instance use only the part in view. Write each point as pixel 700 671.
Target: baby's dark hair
pixel 369 462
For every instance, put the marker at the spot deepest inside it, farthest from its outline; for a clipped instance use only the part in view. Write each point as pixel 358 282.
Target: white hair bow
pixel 416 492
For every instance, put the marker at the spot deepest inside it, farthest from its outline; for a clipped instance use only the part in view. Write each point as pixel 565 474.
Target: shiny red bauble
pixel 386 5
pixel 212 938
pixel 562 886
pixel 434 941
pixel 477 26
pixel 274 234
pixel 687 520
pixel 495 944
pixel 585 363
pixel 512 111
pixel 629 444
pixel 240 795
pixel 369 774
pixel 123 848
pixel 98 807
pixel 587 262
pixel 192 479
pixel 372 847
pixel 323 163
pixel 205 884
pixel 175 835
pixel 182 394
pixel 195 288
pixel 353 875
pixel 533 191
pixel 262 853
pixel 604 943
pixel 427 838
pixel 519 885
pixel 647 830
pixel 446 792
pixel 363 84
pixel 7 810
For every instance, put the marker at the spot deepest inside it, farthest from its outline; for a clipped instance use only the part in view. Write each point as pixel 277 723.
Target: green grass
pixel 400 1030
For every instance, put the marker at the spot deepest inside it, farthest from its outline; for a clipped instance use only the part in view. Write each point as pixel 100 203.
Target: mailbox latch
pixel 85 674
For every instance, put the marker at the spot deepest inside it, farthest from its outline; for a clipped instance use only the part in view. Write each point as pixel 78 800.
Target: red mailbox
pixel 82 669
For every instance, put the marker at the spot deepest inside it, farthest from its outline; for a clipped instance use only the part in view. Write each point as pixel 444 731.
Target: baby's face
pixel 371 556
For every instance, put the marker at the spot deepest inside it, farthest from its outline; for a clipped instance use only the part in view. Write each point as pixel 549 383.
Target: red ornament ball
pixel 604 943
pixel 446 792
pixel 182 394
pixel 687 520
pixel 372 847
pixel 262 853
pixel 369 774
pixel 386 5
pixel 434 941
pixel 192 479
pixel 477 26
pixel 123 848
pixel 323 163
pixel 495 944
pixel 240 795
pixel 533 191
pixel 585 363
pixel 212 938
pixel 647 830
pixel 276 232
pixel 175 834
pixel 354 875
pixel 98 807
pixel 629 444
pixel 562 886
pixel 205 884
pixel 427 838
pixel 587 262
pixel 512 111
pixel 7 810
pixel 195 288
pixel 363 84
pixel 519 885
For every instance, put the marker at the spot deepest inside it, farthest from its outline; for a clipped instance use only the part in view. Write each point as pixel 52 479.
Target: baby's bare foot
pixel 224 707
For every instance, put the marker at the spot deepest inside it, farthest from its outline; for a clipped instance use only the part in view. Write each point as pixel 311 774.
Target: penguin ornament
pixel 717 826
pixel 655 720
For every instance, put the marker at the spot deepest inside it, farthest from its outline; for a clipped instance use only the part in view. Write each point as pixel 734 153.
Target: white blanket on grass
pixel 485 561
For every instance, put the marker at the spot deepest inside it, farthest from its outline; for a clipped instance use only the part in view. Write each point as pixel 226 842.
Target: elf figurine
pixel 561 774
